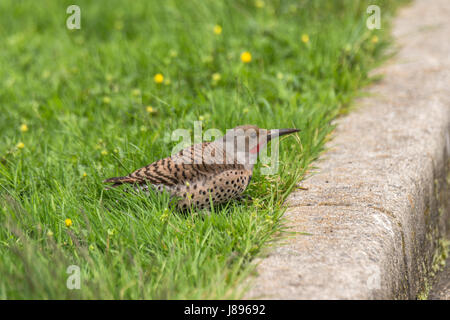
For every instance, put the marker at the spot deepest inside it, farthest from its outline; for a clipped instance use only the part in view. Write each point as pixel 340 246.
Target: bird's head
pixel 246 142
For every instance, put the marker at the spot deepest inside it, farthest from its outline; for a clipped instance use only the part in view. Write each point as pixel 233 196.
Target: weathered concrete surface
pixel 380 199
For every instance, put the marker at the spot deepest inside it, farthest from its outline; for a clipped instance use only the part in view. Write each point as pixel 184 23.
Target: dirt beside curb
pixel 441 286
pixel 379 202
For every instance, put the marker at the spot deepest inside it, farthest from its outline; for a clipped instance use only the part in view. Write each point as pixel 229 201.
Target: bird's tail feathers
pixel 116 181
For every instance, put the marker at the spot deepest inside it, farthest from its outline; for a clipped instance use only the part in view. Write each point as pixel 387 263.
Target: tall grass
pixel 74 108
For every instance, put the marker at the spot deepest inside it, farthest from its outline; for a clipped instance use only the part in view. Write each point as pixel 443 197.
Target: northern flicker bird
pixel 206 172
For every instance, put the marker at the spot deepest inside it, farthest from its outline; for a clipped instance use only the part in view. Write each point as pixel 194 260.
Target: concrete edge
pixel 380 202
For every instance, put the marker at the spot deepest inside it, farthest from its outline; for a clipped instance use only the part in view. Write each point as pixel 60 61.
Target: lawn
pixel 79 106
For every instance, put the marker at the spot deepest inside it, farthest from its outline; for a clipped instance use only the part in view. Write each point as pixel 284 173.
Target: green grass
pixel 83 95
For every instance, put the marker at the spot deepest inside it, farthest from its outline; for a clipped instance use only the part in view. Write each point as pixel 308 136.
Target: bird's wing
pixel 190 164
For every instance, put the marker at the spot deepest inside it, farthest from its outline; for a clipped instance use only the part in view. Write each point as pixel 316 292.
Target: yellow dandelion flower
pixel 164 216
pixel 217 29
pixel 305 38
pixel 173 53
pixel 216 77
pixel 84 174
pixel 201 118
pixel 104 152
pixel 259 4
pixel 150 109
pixel 68 222
pixel 108 77
pixel 374 39
pixel 158 78
pixel 136 92
pixel 269 219
pixel 20 145
pixel 24 128
pixel 106 100
pixel 246 57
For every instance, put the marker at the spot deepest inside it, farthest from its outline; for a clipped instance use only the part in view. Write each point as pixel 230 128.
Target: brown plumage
pixel 210 171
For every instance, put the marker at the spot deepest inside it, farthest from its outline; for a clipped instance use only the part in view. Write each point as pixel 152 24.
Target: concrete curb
pixel 380 201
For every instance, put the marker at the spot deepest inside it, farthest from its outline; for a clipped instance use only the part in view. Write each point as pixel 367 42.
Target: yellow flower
pixel 24 128
pixel 216 77
pixel 20 145
pixel 201 118
pixel 173 53
pixel 259 4
pixel 165 214
pixel 246 57
pixel 217 29
pixel 150 109
pixel 49 233
pixel 136 92
pixel 305 38
pixel 159 78
pixel 374 39
pixel 68 222
pixel 104 152
pixel 84 174
pixel 106 100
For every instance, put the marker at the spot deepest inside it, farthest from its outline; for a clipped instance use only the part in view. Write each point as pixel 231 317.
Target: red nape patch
pixel 255 149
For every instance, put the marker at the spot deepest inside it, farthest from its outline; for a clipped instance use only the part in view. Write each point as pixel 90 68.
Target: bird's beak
pixel 274 133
